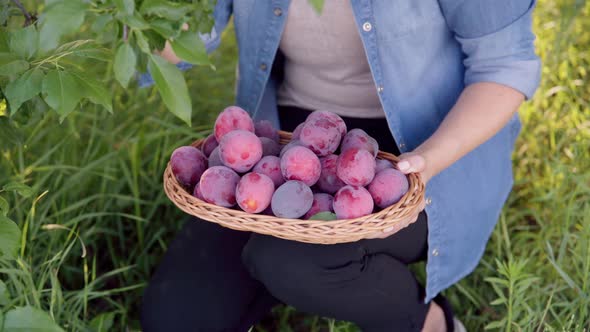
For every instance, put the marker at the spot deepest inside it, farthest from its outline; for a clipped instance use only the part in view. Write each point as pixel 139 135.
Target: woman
pixel 439 81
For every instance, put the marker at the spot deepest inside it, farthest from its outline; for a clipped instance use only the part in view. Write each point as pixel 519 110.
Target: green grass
pixel 99 220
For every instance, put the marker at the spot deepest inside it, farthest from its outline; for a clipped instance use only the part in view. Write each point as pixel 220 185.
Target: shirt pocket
pixel 399 18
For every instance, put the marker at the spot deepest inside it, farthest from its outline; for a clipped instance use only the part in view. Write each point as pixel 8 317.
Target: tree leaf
pixel 4 296
pixel 4 207
pixel 61 92
pixel 4 39
pixel 85 48
pixel 23 88
pixel 102 322
pixel 59 18
pixel 126 7
pixel 94 91
pixel 30 319
pixel 10 64
pixel 318 5
pixel 24 42
pixel 135 21
pixel 125 62
pixel 165 28
pixel 21 188
pixel 142 43
pixel 169 10
pixel 190 48
pixel 172 87
pixel 9 238
pixel 327 216
pixel 101 22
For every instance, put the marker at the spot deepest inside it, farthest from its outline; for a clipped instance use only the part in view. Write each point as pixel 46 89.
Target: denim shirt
pixel 422 53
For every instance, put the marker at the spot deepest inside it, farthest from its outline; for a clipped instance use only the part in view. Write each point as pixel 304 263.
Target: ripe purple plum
pixel 197 192
pixel 230 119
pixel 329 181
pixel 332 117
pixel 218 186
pixel 290 145
pixel 320 136
pixel 297 131
pixel 254 192
pixel 209 145
pixel 358 138
pixel 321 203
pixel 264 128
pixel 381 164
pixel 215 158
pixel 300 163
pixel 291 200
pixel 352 202
pixel 356 167
pixel 188 164
pixel 388 187
pixel 270 147
pixel 271 167
pixel 240 150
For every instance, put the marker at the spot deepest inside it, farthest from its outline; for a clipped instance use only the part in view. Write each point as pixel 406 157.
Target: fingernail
pixel 403 165
pixel 388 229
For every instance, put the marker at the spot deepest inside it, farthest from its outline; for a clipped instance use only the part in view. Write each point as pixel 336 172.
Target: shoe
pixel 458 326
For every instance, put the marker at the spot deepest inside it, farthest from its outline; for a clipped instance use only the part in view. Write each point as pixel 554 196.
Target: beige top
pixel 325 63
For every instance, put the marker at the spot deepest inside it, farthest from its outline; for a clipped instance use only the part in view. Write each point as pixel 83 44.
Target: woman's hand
pixel 411 162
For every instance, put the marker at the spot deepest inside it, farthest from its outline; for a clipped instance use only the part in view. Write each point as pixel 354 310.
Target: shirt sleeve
pixel 497 40
pixel 222 14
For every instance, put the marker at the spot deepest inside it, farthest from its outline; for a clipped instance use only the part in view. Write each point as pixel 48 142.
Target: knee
pixel 295 272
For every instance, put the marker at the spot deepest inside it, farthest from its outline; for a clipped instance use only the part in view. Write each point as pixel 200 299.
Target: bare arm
pixel 481 111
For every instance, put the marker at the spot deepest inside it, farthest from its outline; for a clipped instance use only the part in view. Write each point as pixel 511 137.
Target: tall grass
pixel 99 222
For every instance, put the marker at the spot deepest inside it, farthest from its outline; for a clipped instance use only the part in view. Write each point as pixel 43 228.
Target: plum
pixel 218 186
pixel 254 192
pixel 240 150
pixel 230 119
pixel 264 128
pixel 388 187
pixel 188 164
pixel 352 202
pixel 321 203
pixel 329 181
pixel 320 136
pixel 209 145
pixel 271 167
pixel 291 200
pixel 358 138
pixel 356 167
pixel 300 163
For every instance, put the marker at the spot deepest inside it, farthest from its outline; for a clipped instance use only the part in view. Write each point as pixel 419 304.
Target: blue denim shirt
pixel 422 54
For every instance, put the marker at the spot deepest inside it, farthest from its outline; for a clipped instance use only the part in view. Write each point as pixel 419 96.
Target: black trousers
pixel 216 279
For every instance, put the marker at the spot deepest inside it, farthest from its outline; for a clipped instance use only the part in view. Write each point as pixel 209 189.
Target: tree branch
pixel 28 17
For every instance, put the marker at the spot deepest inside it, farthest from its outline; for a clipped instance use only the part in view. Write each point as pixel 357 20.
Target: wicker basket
pixel 310 231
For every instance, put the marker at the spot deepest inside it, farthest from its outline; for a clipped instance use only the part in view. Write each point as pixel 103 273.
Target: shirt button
pixel 380 88
pixel 367 26
pixel 402 145
pixel 263 66
pixel 435 252
pixel 428 201
pixel 278 11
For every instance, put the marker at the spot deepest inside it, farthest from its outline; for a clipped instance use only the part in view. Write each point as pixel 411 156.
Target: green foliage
pixel 327 216
pixel 47 57
pixel 30 319
pixel 9 238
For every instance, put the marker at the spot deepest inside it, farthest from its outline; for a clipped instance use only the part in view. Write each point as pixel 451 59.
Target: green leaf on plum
pixel 327 216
